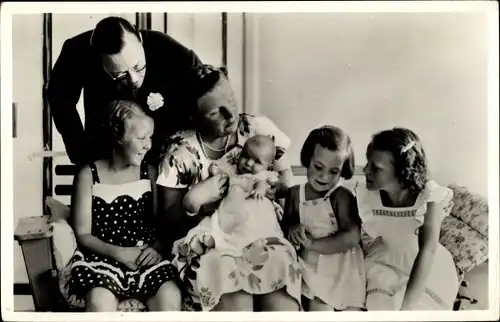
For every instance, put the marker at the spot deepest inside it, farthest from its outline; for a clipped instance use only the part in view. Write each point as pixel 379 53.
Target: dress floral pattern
pixel 263 266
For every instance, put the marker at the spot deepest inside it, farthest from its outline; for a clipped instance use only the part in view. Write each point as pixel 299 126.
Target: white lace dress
pixel 390 241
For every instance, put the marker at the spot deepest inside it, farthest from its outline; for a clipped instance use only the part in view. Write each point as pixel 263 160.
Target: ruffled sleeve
pixel 440 195
pixel 181 164
pixel 265 126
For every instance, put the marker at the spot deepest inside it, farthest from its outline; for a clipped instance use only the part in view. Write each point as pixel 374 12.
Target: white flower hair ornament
pixel 154 101
pixel 408 147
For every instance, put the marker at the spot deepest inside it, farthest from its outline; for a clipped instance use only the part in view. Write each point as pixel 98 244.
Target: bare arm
pixel 348 235
pixel 284 182
pixel 153 175
pixel 291 215
pixel 81 201
pixel 63 93
pixel 174 223
pixel 428 241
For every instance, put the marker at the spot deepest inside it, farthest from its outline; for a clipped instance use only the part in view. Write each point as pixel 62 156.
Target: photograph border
pixel 8 9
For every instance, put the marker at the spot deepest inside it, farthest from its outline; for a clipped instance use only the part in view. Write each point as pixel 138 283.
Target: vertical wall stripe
pixel 165 23
pixel 138 20
pixel 148 20
pixel 47 117
pixel 143 20
pixel 244 65
pixel 224 39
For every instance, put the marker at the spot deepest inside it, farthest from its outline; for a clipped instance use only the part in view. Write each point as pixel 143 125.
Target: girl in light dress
pixel 322 221
pixel 402 210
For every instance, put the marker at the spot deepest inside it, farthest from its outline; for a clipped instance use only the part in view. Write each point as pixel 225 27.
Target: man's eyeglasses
pixel 123 75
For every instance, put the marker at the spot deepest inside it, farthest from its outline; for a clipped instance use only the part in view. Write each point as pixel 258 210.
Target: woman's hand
pixel 209 190
pixel 148 257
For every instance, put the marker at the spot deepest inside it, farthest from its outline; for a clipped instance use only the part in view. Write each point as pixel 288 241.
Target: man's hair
pixel 108 34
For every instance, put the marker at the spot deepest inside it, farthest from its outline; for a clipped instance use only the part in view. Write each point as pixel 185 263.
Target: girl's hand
pixel 128 256
pixel 297 235
pixel 308 241
pixel 272 188
pixel 148 257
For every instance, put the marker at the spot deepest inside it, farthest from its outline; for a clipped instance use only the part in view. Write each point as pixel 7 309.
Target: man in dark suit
pixel 116 61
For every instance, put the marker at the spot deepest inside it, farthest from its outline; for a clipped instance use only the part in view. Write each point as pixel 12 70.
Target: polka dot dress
pixel 120 217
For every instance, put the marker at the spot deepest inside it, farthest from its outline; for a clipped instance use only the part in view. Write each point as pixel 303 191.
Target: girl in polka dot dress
pixel 113 212
pixel 322 221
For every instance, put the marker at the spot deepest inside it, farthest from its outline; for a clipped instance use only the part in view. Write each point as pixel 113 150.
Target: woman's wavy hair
pixel 410 163
pixel 198 81
pixel 333 138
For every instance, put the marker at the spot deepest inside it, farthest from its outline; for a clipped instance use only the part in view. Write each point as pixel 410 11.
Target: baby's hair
pixel 262 140
pixel 410 162
pixel 118 112
pixel 332 138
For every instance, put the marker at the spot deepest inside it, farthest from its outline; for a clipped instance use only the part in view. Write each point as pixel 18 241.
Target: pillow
pixel 56 209
pixel 468 247
pixel 471 208
pixel 63 243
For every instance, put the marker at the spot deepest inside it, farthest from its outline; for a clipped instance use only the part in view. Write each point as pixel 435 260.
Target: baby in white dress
pixel 245 214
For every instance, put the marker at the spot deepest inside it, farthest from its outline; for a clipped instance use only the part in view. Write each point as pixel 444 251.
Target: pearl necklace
pixel 213 149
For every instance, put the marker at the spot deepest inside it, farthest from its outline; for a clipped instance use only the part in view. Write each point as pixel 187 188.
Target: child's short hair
pixel 334 139
pixel 118 112
pixel 410 162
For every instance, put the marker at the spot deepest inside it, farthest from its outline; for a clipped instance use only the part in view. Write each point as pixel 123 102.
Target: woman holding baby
pixel 221 279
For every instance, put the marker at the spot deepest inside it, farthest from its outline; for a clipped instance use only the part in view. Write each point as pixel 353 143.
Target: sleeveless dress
pixel 121 216
pixel 390 242
pixel 336 279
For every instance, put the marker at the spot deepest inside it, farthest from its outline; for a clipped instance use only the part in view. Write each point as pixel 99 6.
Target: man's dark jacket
pixel 79 67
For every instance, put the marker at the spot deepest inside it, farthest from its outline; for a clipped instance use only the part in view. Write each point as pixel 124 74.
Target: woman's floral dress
pixel 264 266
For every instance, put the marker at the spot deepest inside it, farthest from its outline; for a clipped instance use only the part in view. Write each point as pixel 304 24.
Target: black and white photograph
pixel 163 159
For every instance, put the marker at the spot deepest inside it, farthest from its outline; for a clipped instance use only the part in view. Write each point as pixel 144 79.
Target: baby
pixel 244 215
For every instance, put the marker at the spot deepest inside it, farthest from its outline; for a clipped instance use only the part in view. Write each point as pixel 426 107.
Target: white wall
pixel 27 92
pixel 367 72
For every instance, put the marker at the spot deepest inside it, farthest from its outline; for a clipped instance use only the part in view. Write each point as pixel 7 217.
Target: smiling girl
pixel 323 223
pixel 113 213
